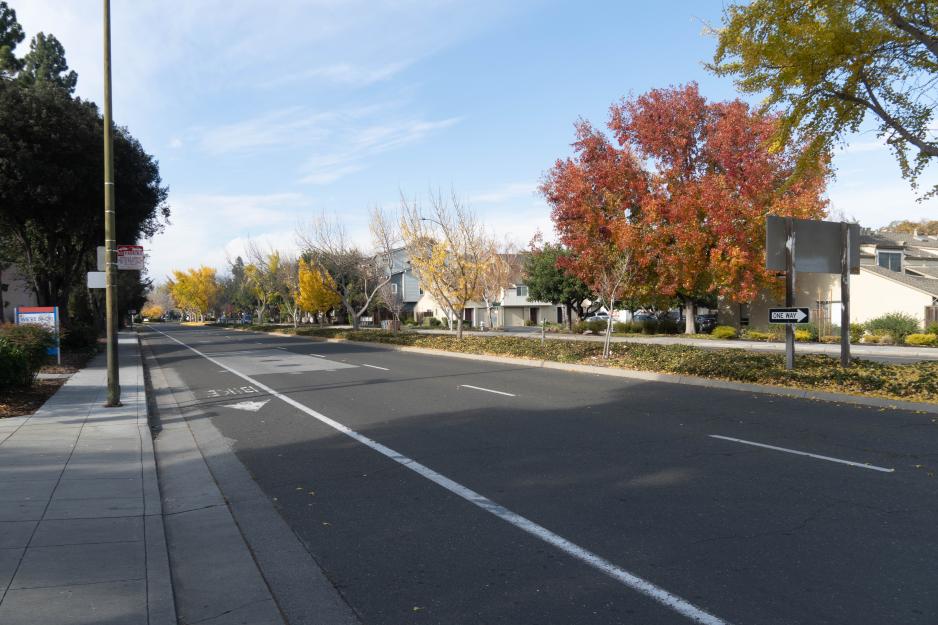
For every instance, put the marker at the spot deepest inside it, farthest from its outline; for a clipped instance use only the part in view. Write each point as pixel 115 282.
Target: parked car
pixel 644 316
pixel 600 316
pixel 705 323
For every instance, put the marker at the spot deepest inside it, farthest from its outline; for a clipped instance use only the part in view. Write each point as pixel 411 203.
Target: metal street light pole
pixel 110 229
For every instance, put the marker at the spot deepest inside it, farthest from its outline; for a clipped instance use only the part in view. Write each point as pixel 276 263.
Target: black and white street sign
pixel 789 315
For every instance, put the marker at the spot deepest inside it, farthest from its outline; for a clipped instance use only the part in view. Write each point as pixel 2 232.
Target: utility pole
pixel 110 228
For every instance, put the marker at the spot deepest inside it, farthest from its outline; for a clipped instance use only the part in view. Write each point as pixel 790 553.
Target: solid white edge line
pixel 861 465
pixel 375 367
pixel 599 563
pixel 487 390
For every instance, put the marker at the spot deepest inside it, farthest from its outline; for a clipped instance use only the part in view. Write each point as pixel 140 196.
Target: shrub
pixel 830 338
pixel 897 325
pixel 724 332
pixel 882 339
pixel 529 322
pixel 14 370
pixel 80 336
pixel 809 328
pixel 33 342
pixel 803 336
pixel 856 332
pixel 932 328
pixel 648 326
pixel 621 327
pixel 668 326
pixel 432 322
pixel 579 327
pixel 922 340
pixel 756 335
pixel 596 326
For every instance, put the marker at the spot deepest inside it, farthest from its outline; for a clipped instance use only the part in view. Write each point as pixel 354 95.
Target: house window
pixel 890 260
pixel 521 290
pixel 394 288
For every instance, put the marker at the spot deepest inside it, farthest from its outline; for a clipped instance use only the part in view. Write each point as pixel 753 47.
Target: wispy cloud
pixel 275 129
pixel 342 73
pixel 365 142
pixel 505 193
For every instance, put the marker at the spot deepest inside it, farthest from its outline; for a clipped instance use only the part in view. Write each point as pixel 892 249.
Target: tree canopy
pixel 51 167
pixel 547 281
pixel 683 195
pixel 826 64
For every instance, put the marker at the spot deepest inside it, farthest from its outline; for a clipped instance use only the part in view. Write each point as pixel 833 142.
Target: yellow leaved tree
pixel 448 252
pixel 317 291
pixel 194 290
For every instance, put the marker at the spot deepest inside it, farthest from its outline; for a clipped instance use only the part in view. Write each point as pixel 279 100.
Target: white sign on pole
pixel 130 257
pixel 96 280
pixel 101 258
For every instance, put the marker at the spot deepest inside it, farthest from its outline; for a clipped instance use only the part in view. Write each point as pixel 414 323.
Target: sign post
pixel 845 297
pixel 789 291
pixel 822 247
pixel 45 316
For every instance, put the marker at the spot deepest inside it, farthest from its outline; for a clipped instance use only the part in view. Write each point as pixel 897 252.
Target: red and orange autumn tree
pixel 700 179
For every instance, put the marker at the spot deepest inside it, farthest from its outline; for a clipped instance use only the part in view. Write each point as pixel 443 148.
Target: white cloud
pixel 206 229
pixel 875 205
pixel 361 143
pixel 506 192
pixel 278 129
pixel 342 73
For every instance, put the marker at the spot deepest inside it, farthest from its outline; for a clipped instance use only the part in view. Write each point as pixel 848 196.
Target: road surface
pixel 441 490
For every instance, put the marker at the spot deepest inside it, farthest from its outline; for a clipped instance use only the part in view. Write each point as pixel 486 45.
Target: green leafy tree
pixel 827 64
pixel 45 65
pixel 50 187
pixel 547 282
pixel 11 34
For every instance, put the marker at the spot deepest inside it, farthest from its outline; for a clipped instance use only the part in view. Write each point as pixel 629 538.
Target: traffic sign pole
pixel 845 297
pixel 789 291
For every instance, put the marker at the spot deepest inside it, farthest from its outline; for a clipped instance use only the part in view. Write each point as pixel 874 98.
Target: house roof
pixel 926 285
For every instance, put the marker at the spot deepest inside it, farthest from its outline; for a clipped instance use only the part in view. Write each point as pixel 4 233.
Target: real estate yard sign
pixel 46 316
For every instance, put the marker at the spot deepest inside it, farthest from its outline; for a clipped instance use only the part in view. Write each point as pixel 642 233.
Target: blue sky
pixel 265 114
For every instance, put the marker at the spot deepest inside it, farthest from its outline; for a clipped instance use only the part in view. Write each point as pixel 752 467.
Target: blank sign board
pixel 818 245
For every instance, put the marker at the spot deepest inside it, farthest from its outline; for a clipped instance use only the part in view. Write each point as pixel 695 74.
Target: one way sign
pixel 788 315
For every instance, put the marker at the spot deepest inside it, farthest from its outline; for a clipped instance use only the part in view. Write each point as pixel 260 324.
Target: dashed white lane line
pixel 861 465
pixel 317 355
pixel 573 550
pixel 487 390
pixel 375 367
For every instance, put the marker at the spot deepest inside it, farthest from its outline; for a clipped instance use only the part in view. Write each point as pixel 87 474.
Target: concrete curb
pixel 651 376
pixel 161 604
pixel 251 554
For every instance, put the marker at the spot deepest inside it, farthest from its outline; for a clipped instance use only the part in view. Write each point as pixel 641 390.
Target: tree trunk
pixel 689 309
pixel 570 317
pixel 608 341
pixel 458 328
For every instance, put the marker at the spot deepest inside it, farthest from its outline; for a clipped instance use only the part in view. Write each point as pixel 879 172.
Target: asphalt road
pixel 571 498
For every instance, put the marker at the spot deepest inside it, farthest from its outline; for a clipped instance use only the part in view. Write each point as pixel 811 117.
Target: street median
pixel 907 384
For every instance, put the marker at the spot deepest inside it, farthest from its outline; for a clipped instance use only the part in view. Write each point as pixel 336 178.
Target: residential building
pixel 17 293
pixel 898 273
pixel 514 307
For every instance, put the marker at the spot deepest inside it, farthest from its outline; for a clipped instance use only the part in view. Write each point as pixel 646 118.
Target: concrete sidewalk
pixel 81 527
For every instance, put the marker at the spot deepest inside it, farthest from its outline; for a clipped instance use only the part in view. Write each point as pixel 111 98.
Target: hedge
pixel 23 351
pixel 916 381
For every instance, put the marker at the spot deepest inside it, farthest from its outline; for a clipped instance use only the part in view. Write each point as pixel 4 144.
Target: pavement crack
pixel 213 505
pixel 220 614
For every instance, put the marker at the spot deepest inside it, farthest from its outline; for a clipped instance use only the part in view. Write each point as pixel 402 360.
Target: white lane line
pixel 487 390
pixel 861 465
pixel 316 355
pixel 599 563
pixel 375 367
